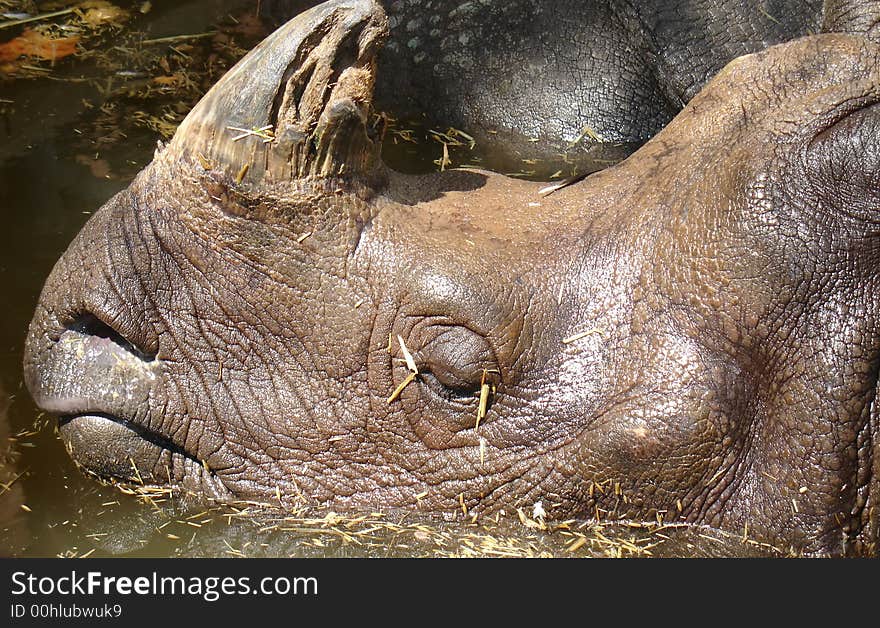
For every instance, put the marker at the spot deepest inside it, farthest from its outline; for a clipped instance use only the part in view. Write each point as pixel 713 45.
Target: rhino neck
pixel 298 106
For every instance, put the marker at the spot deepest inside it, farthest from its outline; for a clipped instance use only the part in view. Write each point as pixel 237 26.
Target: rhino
pixel 270 313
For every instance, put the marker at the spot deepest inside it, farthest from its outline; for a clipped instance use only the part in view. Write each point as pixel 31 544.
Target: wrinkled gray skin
pixel 692 333
pixel 512 72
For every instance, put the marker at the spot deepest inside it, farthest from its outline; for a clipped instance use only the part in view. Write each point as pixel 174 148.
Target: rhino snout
pixel 98 370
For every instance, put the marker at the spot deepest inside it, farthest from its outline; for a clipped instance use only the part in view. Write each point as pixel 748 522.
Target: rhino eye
pixel 455 360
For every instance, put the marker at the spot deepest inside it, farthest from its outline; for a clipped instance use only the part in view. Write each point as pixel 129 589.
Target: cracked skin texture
pixel 228 330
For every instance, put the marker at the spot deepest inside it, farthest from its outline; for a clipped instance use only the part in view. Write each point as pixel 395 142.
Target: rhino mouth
pixel 99 384
pixel 102 386
pixel 90 325
pixel 110 446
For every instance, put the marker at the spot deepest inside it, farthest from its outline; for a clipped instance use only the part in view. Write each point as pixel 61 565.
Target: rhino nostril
pixel 90 325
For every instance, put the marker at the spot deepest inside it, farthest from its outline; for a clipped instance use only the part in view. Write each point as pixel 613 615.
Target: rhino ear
pixel 858 17
pixel 296 106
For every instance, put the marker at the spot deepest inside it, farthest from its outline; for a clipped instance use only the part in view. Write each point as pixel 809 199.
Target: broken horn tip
pixel 261 111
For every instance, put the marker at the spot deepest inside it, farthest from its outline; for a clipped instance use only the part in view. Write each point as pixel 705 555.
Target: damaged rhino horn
pixel 297 106
pixel 858 17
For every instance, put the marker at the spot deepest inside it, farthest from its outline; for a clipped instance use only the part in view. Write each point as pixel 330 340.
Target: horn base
pixel 297 106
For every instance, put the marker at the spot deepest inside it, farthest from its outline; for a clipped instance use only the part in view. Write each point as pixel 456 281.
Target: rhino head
pixel 270 313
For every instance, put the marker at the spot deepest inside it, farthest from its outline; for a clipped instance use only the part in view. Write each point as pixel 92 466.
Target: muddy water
pixel 71 138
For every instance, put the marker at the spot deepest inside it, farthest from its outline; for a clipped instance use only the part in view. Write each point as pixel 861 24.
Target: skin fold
pixel 690 334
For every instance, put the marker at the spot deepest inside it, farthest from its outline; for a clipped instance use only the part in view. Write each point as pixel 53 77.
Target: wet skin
pixel 691 333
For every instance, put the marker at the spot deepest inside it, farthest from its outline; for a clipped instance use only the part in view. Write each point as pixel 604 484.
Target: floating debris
pixel 409 379
pixel 36 18
pixel 583 334
pixel 587 131
pixel 538 511
pixel 175 38
pixel 241 173
pixel 444 162
pixel 487 390
pixel 265 133
pixel 452 137
pixel 37 45
pixel 550 189
pixel 410 365
pixel 407 356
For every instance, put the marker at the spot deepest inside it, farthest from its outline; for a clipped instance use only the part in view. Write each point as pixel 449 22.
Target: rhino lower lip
pixel 111 446
pixel 151 437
